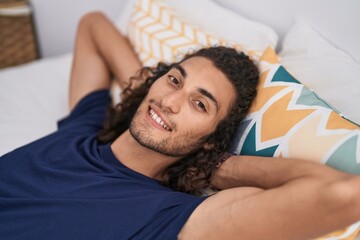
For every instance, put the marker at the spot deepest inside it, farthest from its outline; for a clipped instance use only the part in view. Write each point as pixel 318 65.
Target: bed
pixel 307 52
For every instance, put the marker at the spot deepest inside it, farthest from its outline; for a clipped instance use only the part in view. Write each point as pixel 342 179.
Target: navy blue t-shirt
pixel 68 186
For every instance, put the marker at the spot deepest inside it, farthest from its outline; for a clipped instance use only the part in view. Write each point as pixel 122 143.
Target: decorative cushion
pixel 289 120
pixel 158 32
pixel 319 65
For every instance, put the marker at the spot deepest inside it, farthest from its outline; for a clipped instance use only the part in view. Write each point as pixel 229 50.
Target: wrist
pixel 223 177
pixel 238 171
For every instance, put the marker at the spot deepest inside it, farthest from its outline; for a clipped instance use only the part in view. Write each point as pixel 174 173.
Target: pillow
pixel 122 21
pixel 333 74
pixel 289 120
pixel 158 32
pixel 225 23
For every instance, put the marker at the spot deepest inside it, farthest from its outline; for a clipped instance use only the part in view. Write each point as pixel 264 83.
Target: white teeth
pixel 158 119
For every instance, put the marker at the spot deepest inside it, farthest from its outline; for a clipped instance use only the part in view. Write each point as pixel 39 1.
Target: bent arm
pixel 293 199
pixel 101 52
pixel 263 172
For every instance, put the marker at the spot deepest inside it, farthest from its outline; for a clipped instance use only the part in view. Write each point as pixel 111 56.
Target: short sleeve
pixel 89 114
pixel 174 210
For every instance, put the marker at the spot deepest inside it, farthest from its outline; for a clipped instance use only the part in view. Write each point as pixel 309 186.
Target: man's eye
pixel 200 105
pixel 174 80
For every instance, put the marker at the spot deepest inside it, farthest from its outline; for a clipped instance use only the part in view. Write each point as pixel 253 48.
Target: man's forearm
pixel 298 197
pixel 100 53
pixel 268 173
pixel 113 47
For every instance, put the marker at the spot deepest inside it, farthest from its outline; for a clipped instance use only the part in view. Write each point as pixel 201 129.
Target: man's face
pixel 182 107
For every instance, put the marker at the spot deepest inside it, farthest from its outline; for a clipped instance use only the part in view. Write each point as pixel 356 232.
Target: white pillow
pixel 221 22
pixel 122 21
pixel 330 72
pixel 217 20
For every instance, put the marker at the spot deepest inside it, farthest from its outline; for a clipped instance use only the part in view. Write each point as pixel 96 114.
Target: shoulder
pixel 89 112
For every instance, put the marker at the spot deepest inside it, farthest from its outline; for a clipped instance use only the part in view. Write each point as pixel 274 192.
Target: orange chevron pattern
pixel 276 125
pixel 279 117
pixel 158 34
pixel 265 93
pixel 277 107
pixel 321 142
pixel 335 122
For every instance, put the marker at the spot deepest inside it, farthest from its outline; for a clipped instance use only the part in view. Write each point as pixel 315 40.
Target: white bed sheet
pixel 32 98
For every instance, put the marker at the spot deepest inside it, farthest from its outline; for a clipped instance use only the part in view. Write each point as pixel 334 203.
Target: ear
pixel 208 146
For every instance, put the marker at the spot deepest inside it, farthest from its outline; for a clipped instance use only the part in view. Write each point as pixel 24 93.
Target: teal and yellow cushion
pixel 289 120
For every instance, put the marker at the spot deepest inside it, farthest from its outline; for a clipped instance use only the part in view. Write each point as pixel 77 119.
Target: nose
pixel 172 102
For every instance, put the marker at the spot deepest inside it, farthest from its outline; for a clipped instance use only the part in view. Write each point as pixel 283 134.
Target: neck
pixel 139 158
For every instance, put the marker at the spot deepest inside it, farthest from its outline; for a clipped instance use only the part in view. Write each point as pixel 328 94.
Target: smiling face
pixel 182 107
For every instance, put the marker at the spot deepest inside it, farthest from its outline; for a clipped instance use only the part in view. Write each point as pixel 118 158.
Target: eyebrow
pixel 181 70
pixel 210 96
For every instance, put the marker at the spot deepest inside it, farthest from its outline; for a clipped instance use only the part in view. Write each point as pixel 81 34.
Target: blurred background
pixel 46 28
pixel 31 29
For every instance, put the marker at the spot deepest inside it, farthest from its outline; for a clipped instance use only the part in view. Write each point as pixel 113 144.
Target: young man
pixel 80 184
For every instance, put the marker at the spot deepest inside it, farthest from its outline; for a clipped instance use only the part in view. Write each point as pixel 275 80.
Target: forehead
pixel 202 73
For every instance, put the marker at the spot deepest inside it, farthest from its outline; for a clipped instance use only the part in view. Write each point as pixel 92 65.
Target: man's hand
pixel 101 52
pixel 268 173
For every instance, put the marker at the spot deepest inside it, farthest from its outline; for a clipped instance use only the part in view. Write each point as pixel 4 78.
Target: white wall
pixel 56 21
pixel 336 20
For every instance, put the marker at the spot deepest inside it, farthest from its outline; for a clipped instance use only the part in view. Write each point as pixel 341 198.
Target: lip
pixel 153 122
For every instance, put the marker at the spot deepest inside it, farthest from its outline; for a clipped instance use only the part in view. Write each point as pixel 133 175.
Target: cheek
pixel 156 90
pixel 197 125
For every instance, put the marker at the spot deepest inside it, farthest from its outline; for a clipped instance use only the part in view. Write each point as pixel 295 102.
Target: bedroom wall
pixel 56 21
pixel 338 21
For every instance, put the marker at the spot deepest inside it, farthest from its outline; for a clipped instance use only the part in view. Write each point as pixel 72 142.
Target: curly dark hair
pixel 194 172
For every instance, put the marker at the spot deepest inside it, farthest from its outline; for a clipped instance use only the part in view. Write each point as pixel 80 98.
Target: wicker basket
pixel 17 35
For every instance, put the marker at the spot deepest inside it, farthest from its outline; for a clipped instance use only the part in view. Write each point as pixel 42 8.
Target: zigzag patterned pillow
pixel 158 33
pixel 289 120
